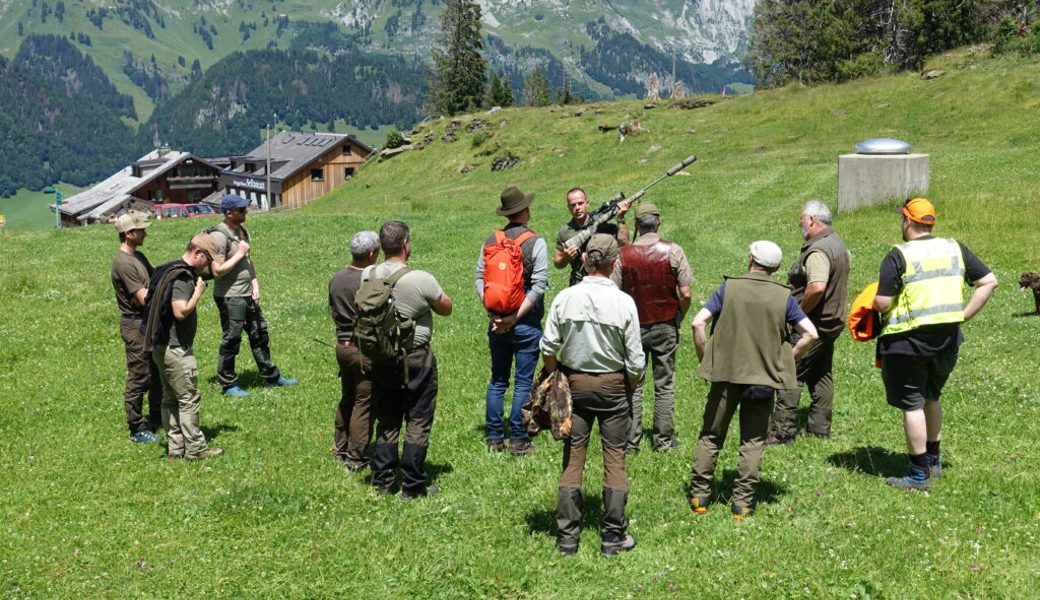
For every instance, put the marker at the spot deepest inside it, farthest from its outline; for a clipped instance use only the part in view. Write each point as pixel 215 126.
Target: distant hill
pixel 604 48
pixel 50 134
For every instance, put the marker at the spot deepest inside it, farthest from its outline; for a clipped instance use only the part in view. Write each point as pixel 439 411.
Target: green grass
pixel 28 210
pixel 86 513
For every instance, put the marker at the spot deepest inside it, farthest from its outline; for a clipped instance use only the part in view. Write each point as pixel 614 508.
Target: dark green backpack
pixel 380 332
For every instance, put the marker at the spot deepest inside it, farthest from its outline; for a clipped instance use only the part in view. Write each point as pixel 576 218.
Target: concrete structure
pixel 869 179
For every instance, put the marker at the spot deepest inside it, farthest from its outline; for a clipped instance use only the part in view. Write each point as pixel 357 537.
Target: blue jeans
pixel 521 343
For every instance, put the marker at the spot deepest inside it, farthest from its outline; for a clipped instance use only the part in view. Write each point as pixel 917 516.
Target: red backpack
pixel 504 273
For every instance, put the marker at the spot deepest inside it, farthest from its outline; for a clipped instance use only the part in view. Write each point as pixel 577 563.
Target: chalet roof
pixel 120 187
pixel 292 151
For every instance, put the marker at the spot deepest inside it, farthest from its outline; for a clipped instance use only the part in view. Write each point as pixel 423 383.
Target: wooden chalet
pixel 162 176
pixel 304 166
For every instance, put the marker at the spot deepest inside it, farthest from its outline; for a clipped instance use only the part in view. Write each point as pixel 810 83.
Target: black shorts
pixel 910 380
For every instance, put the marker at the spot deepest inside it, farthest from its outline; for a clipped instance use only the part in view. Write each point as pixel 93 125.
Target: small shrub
pixel 394 139
pixel 479 138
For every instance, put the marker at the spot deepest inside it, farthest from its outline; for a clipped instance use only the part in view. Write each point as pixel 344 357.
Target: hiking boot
pixel 822 436
pixel 236 392
pixel 934 466
pixel 283 381
pixel 430 490
pixel 740 511
pixel 354 467
pixel 672 445
pixel 775 440
pixel 567 549
pixel 210 452
pixel 387 490
pixel 631 450
pixel 699 504
pixel 496 445
pixel 174 457
pixel 916 479
pixel 144 437
pixel 521 448
pixel 623 545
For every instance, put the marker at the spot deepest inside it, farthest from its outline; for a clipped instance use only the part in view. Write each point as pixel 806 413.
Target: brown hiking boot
pixel 521 448
pixel 210 452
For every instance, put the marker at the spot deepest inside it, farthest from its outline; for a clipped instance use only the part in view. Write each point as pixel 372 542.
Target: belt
pixel 132 317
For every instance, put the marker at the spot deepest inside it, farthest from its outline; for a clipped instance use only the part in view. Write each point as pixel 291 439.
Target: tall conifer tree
pixel 459 75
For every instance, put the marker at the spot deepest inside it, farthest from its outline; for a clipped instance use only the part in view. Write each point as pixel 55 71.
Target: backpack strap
pixel 393 279
pixel 523 237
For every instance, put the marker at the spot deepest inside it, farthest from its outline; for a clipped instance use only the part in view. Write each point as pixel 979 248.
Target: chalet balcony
pixel 191 182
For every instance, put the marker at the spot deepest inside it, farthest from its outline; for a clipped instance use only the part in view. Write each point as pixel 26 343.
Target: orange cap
pixel 919 210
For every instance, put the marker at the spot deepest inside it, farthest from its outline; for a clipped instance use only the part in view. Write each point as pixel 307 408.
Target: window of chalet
pixel 346 150
pixel 348 172
pixel 317 174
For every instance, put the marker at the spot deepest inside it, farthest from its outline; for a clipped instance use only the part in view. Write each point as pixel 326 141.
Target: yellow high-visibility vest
pixel 933 286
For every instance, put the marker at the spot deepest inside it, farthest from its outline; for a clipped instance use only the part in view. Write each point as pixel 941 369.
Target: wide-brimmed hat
pixel 919 210
pixel 513 201
pixel 131 220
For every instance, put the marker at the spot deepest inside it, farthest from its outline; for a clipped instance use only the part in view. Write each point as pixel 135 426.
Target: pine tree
pixel 494 92
pixel 536 89
pixel 459 74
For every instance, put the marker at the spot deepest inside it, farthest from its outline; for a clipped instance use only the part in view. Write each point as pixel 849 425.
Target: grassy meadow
pixel 85 513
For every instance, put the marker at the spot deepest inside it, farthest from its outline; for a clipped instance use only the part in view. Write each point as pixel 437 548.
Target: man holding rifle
pixel 568 253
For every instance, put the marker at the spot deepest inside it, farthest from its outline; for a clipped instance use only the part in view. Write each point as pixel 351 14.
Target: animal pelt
pixel 1031 281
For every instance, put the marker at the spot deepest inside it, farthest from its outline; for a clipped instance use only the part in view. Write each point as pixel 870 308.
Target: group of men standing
pixel 621 313
pixel 158 325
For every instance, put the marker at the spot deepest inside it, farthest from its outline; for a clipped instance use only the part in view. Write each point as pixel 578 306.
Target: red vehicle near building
pixel 179 211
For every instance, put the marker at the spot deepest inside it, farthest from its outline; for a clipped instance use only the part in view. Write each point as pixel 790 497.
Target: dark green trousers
pixel 659 343
pixel 723 401
pixel 814 371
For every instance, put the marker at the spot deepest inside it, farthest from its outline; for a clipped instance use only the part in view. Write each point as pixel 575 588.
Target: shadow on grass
pixel 544 521
pixel 213 432
pixel 871 460
pixel 246 379
pixel 1025 314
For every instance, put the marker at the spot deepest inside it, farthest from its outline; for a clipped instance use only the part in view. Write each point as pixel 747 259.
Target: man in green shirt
pixel 236 292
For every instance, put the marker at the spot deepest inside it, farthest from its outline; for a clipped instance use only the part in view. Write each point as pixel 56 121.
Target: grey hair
pixel 363 243
pixel 648 223
pixel 818 210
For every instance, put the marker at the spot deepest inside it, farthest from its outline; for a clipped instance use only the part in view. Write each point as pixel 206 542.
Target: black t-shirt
pixel 928 340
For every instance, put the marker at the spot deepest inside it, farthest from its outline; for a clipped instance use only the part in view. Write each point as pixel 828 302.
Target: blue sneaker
pixel 236 392
pixel 284 381
pixel 144 437
pixel 916 479
pixel 934 466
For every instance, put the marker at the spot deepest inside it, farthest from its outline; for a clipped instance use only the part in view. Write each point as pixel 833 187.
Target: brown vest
pixel 646 275
pixel 830 313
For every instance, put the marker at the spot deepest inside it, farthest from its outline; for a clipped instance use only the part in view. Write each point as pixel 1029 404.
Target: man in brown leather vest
pixel 656 274
pixel 819 282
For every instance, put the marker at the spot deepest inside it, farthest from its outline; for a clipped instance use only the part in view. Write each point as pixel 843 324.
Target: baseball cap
pixel 919 210
pixel 233 202
pixel 205 242
pixel 604 245
pixel 131 220
pixel 645 209
pixel 766 253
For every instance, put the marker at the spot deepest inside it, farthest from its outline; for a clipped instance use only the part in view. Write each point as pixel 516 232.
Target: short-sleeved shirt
pixel 182 333
pixel 342 289
pixel 413 295
pixel 238 283
pixel 570 230
pixel 130 273
pixel 794 312
pixel 817 267
pixel 928 340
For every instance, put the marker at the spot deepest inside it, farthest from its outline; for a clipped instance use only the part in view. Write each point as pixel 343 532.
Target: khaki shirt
pixel 593 327
pixel 129 274
pixel 238 283
pixel 413 295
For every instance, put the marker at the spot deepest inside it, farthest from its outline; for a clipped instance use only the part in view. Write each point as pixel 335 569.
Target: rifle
pixel 609 208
